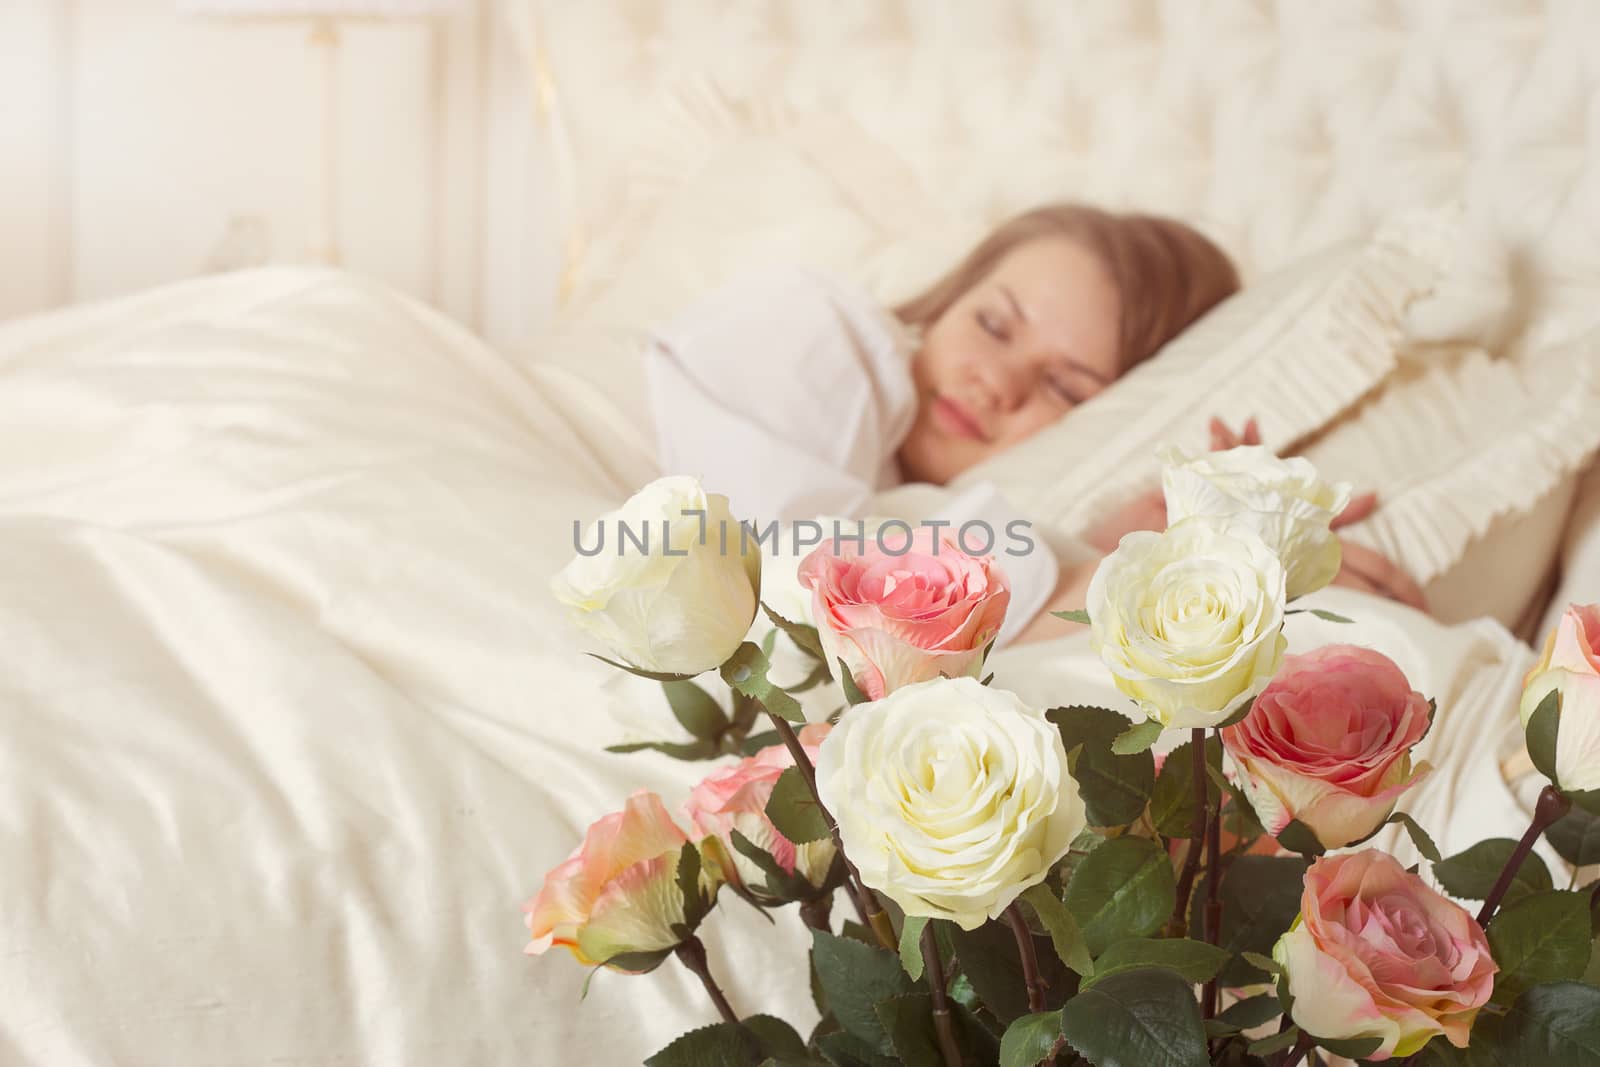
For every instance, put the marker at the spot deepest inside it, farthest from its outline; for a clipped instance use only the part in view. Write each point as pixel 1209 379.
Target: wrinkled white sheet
pixel 292 727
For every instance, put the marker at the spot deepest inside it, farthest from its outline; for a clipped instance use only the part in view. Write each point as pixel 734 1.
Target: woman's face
pixel 1018 350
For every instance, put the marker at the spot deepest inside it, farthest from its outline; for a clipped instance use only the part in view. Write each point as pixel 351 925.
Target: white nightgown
pixel 790 392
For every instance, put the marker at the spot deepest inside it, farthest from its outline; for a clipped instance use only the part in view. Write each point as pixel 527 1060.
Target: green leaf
pixel 1470 875
pixel 1329 616
pixel 1238 714
pixel 847 1050
pixel 1576 836
pixel 655 676
pixel 1419 837
pixel 1541 938
pixel 778 1039
pixel 1139 1018
pixel 1351 1048
pixel 1275 1043
pixel 802 634
pixel 794 812
pixel 847 681
pixel 695 710
pixel 756 742
pixel 989 960
pixel 780 884
pixel 855 977
pixel 1260 898
pixel 1115 788
pixel 695 901
pixel 1262 962
pixel 1137 738
pixel 1122 889
pixel 1030 1039
pixel 911 945
pixel 1195 960
pixel 1543 726
pixel 746 672
pixel 1252 1012
pixel 694 750
pixel 1481 1050
pixel 1556 1024
pixel 909 1022
pixel 722 1045
pixel 1298 837
pixel 1065 936
pixel 1172 800
pixel 1076 615
pixel 639 962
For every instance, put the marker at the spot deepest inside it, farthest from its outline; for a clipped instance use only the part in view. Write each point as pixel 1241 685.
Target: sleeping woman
pixel 797 395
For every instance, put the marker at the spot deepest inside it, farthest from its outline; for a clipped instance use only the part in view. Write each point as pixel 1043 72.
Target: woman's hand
pixel 1370 570
pixel 1148 511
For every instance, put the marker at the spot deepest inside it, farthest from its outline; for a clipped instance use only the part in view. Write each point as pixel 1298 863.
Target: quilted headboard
pixel 1277 126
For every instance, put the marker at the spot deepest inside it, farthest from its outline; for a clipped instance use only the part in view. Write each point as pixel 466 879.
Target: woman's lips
pixel 957 419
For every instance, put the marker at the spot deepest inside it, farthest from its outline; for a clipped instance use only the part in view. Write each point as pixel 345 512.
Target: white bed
pixel 293 725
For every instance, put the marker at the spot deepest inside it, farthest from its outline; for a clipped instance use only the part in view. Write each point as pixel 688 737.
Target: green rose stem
pixel 1191 862
pixel 1030 961
pixel 693 955
pixel 1550 807
pixel 1213 914
pixel 942 1021
pixel 865 900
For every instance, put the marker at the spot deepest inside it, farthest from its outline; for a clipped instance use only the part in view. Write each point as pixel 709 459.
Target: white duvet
pixel 292 727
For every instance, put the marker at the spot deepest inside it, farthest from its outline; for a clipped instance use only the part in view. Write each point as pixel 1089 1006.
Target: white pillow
pixel 1293 349
pixel 1475 461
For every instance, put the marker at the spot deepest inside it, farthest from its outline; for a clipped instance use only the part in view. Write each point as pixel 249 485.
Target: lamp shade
pixel 318 8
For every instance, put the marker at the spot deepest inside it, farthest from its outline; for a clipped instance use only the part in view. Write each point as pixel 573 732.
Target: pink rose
pixel 1571 665
pixel 1328 743
pixel 909 618
pixel 617 894
pixel 735 798
pixel 1376 953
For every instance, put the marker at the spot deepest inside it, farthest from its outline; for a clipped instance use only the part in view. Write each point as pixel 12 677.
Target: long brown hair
pixel 1167 273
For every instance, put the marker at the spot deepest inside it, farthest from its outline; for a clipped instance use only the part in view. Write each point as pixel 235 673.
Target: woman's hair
pixel 1167 273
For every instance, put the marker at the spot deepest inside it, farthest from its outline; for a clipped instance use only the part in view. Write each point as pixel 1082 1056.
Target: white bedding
pixel 293 726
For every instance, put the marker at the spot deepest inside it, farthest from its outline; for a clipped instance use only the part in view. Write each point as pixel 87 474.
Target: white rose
pixel 1281 500
pixel 683 602
pixel 1190 621
pixel 951 797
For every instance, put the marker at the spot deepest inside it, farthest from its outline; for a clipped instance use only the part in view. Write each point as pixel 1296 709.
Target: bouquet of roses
pixel 1030 885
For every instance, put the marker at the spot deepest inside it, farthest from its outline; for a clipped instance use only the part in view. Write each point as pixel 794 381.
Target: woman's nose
pixel 1001 383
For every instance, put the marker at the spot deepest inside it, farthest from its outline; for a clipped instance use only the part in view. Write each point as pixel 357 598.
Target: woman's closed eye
pixel 993 326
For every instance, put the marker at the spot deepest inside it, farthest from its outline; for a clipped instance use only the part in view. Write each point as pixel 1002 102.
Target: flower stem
pixel 1550 807
pixel 943 1022
pixel 1213 913
pixel 1298 1053
pixel 693 955
pixel 865 900
pixel 815 913
pixel 1030 960
pixel 1179 923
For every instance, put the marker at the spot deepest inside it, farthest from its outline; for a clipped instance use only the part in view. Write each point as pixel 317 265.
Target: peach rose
pixel 617 894
pixel 1376 953
pixel 1329 742
pixel 898 619
pixel 1571 664
pixel 735 798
